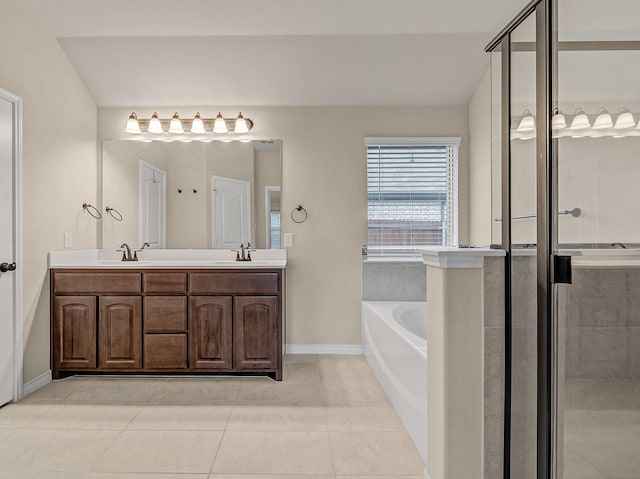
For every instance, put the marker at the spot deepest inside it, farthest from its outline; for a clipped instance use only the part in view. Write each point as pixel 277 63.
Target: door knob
pixel 4 267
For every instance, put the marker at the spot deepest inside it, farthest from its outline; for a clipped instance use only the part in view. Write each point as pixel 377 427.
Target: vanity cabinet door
pixel 120 332
pixel 256 336
pixel 74 332
pixel 210 332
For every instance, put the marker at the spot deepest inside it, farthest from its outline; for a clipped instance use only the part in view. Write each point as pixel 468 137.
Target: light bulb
pixel 625 120
pixel 154 124
pixel 241 124
pixel 558 121
pixel 527 123
pixel 197 126
pixel 580 121
pixel 176 125
pixel 219 125
pixel 603 120
pixel 132 124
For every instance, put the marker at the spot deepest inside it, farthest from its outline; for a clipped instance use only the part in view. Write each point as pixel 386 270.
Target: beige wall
pixel 324 169
pixel 59 163
pixel 480 162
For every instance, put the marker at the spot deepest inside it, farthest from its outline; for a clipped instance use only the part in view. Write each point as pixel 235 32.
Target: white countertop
pixel 168 258
pixel 452 257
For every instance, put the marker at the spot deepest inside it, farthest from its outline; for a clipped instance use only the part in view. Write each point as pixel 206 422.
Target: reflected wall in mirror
pixel 191 195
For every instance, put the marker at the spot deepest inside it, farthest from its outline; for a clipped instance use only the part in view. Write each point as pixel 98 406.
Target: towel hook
pixel 303 218
pixel 92 210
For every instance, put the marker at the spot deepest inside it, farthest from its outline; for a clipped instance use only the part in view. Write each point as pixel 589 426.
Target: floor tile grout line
pixel 215 456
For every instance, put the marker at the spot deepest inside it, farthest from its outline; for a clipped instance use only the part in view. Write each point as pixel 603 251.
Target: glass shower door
pixel 597 317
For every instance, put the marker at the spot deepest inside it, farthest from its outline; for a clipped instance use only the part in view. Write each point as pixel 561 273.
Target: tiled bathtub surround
pixel 389 280
pixel 328 419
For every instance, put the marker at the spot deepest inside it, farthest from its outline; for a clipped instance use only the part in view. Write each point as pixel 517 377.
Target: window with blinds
pixel 412 188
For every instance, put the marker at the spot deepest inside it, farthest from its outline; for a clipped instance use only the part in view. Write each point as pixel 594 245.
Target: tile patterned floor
pixel 602 444
pixel 329 419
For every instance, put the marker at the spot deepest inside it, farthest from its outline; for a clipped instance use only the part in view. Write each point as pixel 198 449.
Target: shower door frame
pixel 546 222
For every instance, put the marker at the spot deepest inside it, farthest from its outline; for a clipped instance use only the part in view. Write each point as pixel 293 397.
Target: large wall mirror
pixel 191 195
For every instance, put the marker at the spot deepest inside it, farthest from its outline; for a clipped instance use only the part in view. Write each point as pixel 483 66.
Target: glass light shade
pixel 625 120
pixel 558 121
pixel 219 125
pixel 197 126
pixel 241 124
pixel 176 125
pixel 580 121
pixel 132 124
pixel 603 120
pixel 527 123
pixel 154 124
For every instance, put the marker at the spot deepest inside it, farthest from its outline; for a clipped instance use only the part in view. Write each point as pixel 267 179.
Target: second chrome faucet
pixel 240 253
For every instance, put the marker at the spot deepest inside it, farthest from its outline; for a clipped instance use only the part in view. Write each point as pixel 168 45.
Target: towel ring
pixel 92 210
pixel 114 213
pixel 299 208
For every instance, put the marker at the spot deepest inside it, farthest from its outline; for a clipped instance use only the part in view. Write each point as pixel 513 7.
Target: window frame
pixel 450 229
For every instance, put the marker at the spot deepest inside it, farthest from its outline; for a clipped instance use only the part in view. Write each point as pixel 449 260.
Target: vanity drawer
pixel 165 314
pixel 234 283
pixel 84 283
pixel 165 351
pixel 165 282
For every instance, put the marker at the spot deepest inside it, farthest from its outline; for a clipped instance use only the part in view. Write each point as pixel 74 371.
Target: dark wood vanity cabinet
pixel 167 321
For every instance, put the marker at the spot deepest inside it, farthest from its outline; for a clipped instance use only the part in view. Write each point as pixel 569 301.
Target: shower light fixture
pixel 603 120
pixel 580 120
pixel 625 120
pixel 197 125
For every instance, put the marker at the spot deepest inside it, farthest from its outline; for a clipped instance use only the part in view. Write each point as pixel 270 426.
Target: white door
pixel 7 249
pixel 153 205
pixel 231 212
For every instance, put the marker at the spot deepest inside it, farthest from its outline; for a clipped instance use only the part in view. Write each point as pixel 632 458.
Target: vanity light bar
pixel 580 125
pixel 196 125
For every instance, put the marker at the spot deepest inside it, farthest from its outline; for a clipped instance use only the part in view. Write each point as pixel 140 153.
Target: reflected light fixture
pixel 176 125
pixel 527 123
pixel 219 125
pixel 241 125
pixel 132 124
pixel 580 120
pixel 154 125
pixel 603 120
pixel 625 120
pixel 197 126
pixel 558 121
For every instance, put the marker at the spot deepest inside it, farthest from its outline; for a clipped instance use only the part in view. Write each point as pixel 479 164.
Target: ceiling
pixel 276 52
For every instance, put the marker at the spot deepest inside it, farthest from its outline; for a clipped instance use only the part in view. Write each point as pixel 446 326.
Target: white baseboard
pixel 324 349
pixel 36 383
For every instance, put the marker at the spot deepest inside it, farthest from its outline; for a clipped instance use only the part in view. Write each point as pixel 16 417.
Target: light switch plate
pixel 288 240
pixel 68 240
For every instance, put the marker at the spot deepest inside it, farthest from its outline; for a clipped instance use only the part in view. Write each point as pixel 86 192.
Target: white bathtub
pixel 394 336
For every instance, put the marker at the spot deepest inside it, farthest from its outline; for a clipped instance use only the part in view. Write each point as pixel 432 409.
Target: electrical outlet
pixel 68 240
pixel 288 240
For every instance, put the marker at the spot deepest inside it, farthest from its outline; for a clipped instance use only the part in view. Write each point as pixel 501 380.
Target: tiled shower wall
pixel 599 319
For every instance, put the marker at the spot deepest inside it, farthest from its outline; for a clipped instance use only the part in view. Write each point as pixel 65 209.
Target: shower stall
pixel 565 207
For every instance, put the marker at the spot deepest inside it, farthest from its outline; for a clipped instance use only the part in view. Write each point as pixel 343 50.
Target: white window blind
pixel 412 188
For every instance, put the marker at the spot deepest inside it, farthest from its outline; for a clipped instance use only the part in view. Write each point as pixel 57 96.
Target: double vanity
pixel 173 311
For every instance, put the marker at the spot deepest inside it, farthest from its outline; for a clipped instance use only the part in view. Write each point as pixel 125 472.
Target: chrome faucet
pixel 240 253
